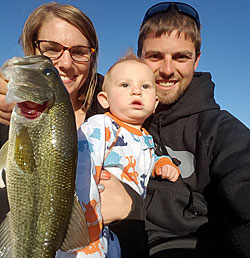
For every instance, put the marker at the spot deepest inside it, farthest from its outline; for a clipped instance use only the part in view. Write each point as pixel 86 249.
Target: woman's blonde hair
pixel 75 17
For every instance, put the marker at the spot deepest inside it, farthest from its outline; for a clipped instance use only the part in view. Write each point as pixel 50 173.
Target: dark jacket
pixel 208 208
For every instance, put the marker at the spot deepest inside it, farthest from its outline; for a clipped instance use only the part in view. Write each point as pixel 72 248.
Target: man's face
pixel 173 61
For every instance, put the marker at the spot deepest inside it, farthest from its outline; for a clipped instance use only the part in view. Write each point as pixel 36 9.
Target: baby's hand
pixel 168 172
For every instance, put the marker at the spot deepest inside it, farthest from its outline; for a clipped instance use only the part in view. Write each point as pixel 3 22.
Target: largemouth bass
pixel 41 163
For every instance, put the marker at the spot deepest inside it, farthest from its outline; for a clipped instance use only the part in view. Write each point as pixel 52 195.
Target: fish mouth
pixel 32 110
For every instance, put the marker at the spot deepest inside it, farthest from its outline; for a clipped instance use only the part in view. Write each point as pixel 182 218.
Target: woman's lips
pixel 67 80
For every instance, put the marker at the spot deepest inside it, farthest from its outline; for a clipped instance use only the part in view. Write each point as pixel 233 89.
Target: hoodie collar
pixel 198 97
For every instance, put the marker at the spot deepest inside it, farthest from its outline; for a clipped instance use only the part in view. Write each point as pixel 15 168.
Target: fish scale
pixel 41 165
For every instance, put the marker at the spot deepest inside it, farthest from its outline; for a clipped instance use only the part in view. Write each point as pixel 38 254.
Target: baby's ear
pixel 156 103
pixel 103 99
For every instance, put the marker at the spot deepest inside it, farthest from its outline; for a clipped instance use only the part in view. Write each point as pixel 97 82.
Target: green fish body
pixel 41 158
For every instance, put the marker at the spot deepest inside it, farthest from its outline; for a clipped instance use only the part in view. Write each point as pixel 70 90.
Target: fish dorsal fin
pixel 77 235
pixel 3 158
pixel 6 250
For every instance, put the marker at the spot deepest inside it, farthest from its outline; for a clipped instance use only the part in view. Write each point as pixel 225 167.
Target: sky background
pixel 225 35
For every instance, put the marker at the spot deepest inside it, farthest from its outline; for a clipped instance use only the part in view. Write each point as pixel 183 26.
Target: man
pixel 206 213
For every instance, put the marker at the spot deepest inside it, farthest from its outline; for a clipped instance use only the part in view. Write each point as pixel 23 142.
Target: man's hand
pixel 115 202
pixel 5 109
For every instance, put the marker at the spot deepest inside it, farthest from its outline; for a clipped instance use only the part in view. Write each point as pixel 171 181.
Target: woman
pixel 54 26
pixel 59 28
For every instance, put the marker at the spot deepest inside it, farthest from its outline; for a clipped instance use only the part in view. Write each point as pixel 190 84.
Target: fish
pixel 40 162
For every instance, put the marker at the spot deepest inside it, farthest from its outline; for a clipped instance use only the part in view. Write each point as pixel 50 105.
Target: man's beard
pixel 170 99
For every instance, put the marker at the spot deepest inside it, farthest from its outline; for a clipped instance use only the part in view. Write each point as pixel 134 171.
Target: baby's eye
pixel 145 86
pixel 124 85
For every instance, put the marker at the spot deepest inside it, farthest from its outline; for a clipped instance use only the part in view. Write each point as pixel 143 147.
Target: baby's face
pixel 131 92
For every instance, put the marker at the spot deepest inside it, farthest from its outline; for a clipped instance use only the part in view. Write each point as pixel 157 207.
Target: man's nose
pixel 167 66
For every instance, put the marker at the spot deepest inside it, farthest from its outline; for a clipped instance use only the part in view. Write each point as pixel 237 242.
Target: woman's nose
pixel 65 60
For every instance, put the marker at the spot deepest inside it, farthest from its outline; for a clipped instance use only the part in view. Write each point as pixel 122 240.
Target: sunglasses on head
pixel 180 7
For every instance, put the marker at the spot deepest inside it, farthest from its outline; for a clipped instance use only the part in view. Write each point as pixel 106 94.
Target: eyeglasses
pixel 54 51
pixel 181 8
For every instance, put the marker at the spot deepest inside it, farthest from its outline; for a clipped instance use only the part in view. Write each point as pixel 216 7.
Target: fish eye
pixel 47 71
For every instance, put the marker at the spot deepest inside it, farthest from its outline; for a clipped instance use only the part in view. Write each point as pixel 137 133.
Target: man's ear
pixel 197 61
pixel 103 99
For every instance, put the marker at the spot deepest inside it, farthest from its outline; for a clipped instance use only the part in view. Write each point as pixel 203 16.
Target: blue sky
pixel 225 39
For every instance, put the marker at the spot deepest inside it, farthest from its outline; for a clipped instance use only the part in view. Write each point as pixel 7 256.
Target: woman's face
pixel 72 73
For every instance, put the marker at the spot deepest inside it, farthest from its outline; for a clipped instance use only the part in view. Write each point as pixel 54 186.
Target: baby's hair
pixel 129 56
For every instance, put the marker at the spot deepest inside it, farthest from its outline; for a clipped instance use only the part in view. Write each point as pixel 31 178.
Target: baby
pixel 117 142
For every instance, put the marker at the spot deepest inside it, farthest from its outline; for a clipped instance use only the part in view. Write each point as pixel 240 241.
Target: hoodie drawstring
pixel 163 149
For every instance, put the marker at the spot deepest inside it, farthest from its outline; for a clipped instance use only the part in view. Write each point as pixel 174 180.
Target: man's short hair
pixel 166 23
